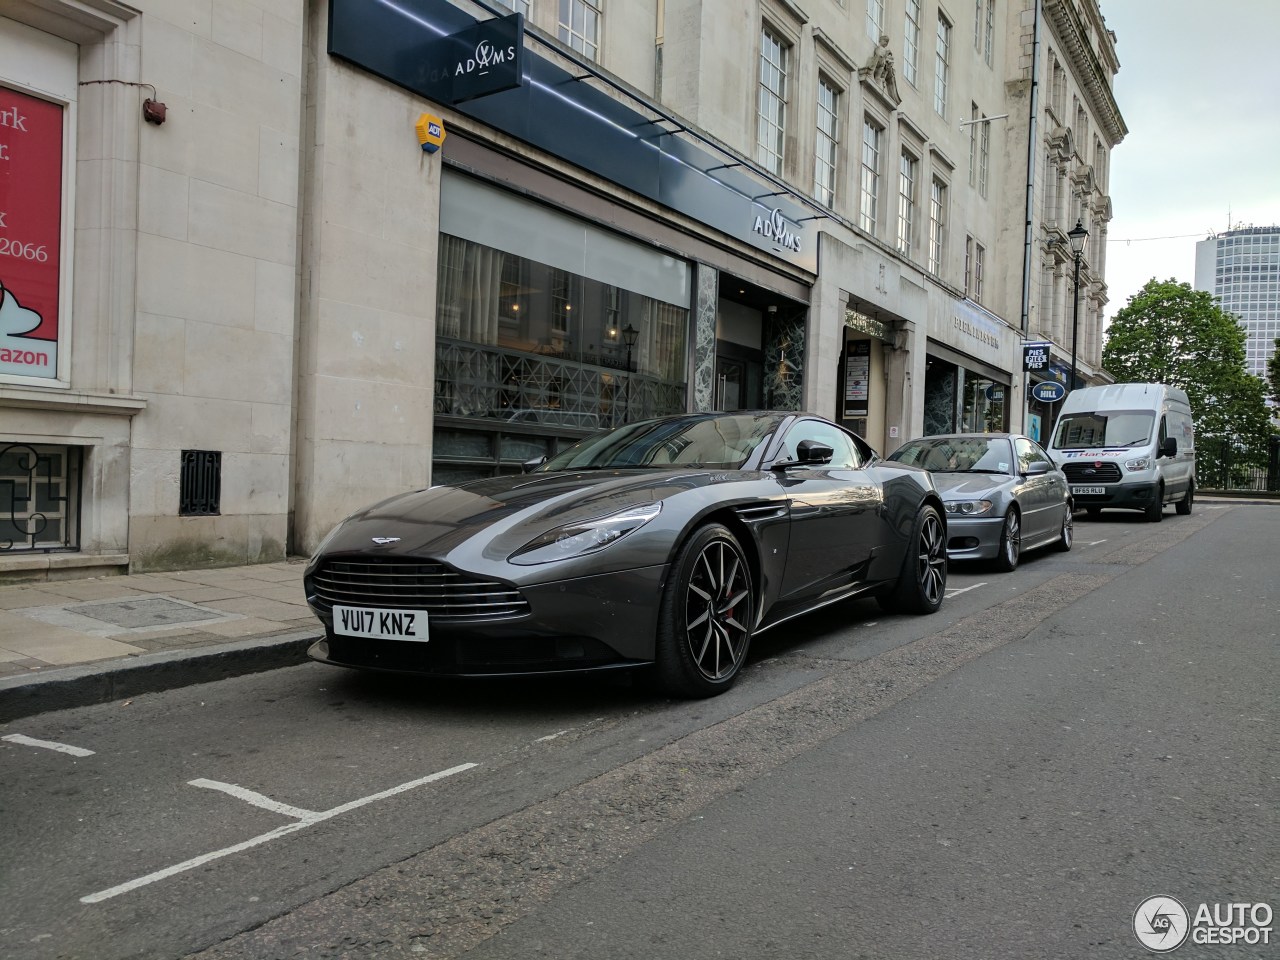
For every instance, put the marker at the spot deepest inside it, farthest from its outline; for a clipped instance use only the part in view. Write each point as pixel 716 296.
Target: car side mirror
pixel 530 465
pixel 1037 468
pixel 812 451
pixel 1170 447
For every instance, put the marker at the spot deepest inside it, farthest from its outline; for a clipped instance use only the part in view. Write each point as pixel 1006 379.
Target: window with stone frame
pixel 771 119
pixel 911 43
pixel 908 170
pixel 942 66
pixel 937 225
pixel 827 145
pixel 869 175
pixel 579 26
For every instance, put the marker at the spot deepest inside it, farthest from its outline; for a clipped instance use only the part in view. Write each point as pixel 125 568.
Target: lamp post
pixel 629 336
pixel 1077 236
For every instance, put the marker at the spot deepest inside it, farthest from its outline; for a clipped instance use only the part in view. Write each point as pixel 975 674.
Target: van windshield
pixel 1114 428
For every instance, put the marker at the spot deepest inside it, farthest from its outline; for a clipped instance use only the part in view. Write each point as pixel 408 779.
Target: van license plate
pixel 1088 491
pixel 377 624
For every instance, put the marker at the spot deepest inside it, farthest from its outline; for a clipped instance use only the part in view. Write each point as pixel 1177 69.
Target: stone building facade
pixel 253 296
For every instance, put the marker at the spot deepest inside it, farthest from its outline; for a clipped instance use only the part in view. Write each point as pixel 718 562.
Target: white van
pixel 1128 445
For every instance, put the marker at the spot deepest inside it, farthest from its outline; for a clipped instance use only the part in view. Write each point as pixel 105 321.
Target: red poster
pixel 30 233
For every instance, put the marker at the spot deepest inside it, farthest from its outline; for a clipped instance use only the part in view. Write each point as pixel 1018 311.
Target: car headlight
pixel 969 508
pixel 1142 463
pixel 585 536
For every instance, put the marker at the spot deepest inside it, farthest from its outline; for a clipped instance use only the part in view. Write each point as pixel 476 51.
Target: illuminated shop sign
pixel 30 232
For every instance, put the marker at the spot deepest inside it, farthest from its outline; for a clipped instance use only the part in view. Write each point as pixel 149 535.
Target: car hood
pixel 958 486
pixel 505 512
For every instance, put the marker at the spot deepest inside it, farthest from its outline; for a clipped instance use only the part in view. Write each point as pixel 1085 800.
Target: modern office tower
pixel 1241 267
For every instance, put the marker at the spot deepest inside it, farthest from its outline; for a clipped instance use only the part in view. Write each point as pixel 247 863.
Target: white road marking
pixel 257 799
pixel 956 591
pixel 552 736
pixel 48 745
pixel 310 820
pixel 1094 543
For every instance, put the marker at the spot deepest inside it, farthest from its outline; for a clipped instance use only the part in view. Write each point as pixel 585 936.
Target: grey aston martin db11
pixel 665 544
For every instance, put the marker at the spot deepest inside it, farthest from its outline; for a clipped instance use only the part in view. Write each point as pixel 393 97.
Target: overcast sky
pixel 1199 90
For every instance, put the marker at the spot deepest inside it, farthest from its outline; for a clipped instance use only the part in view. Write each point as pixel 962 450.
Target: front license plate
pixel 378 624
pixel 1089 491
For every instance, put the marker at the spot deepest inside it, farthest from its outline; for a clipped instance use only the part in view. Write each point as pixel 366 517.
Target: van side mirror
pixel 1170 447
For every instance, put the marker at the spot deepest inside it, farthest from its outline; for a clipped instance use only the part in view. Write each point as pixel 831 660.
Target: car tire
pixel 1183 506
pixel 1155 509
pixel 1010 542
pixel 1068 532
pixel 922 582
pixel 708 612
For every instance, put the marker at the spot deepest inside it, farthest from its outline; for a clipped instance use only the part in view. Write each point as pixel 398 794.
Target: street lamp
pixel 629 336
pixel 1077 236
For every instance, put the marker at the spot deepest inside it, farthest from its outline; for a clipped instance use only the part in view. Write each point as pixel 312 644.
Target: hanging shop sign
pixel 484 59
pixel 30 234
pixel 1035 356
pixel 1049 391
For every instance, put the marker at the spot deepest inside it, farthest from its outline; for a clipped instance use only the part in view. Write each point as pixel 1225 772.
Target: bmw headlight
pixel 585 536
pixel 969 508
pixel 1142 463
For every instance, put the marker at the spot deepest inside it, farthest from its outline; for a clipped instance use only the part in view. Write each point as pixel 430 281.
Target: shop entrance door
pixel 738 382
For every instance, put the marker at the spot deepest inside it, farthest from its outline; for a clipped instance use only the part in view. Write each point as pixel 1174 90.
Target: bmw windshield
pixel 723 442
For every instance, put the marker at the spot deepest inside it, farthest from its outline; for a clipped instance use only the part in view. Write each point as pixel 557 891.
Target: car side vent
pixel 761 511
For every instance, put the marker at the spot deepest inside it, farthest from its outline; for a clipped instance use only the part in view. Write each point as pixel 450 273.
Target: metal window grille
pixel 201 484
pixel 40 488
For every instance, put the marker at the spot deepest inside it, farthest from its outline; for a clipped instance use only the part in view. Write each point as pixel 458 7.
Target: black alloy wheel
pixel 922 582
pixel 1010 542
pixel 708 613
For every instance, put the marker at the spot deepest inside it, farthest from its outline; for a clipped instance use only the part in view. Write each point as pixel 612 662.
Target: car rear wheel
pixel 922 581
pixel 708 612
pixel 1183 506
pixel 1010 542
pixel 1068 531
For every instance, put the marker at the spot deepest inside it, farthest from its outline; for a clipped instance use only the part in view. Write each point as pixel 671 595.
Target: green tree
pixel 1273 373
pixel 1169 333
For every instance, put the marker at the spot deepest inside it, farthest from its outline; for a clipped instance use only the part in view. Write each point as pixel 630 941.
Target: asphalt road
pixel 1008 778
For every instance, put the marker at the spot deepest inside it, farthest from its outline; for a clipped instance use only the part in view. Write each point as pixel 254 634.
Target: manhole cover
pixel 152 612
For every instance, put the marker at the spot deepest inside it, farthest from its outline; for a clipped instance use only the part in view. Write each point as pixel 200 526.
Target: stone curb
pixel 85 685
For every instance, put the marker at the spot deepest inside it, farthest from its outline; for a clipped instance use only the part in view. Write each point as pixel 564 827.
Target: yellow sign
pixel 430 132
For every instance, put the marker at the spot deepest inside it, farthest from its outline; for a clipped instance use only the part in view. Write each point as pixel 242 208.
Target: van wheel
pixel 1093 513
pixel 1183 506
pixel 1155 509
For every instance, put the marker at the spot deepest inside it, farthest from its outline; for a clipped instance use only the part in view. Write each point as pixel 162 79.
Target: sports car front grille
pixel 1105 472
pixel 444 593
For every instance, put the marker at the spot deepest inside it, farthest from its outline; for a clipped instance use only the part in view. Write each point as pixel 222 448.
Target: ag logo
pixel 1161 924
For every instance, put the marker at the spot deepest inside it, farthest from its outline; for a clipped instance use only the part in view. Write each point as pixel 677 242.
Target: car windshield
pixel 1115 428
pixel 722 442
pixel 957 454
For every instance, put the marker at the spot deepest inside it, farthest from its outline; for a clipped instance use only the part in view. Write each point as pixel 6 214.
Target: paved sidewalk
pixel 72 642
